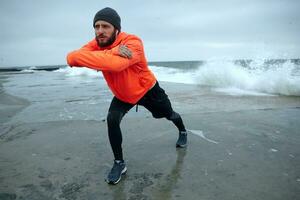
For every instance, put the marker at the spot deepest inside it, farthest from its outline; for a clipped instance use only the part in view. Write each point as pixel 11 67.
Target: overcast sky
pixel 40 32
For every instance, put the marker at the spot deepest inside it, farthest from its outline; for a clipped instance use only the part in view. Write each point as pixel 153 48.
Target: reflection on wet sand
pixel 165 187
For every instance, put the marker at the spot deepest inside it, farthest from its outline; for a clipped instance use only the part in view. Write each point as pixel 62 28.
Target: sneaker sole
pixel 181 146
pixel 116 182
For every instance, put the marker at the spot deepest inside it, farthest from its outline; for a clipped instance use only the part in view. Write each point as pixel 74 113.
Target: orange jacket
pixel 128 79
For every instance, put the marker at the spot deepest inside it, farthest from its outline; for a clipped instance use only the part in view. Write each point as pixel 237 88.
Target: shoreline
pixel 10 105
pixel 171 63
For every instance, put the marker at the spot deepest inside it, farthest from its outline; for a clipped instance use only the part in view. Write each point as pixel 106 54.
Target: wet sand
pixel 232 153
pixel 9 104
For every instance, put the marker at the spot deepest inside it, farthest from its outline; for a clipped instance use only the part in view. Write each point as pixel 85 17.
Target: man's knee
pixel 174 116
pixel 158 115
pixel 114 117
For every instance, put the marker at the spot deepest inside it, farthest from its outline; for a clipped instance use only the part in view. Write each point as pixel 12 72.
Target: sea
pixel 64 93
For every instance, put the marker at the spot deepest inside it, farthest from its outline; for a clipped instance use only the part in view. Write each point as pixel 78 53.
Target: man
pixel 120 57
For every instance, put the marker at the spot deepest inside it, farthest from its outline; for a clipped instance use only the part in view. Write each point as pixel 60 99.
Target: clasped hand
pixel 125 52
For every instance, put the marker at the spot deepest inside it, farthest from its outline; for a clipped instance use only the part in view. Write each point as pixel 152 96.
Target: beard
pixel 108 42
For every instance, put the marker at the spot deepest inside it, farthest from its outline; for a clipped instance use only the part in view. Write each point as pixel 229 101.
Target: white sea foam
pixel 273 150
pixel 233 79
pixel 273 79
pixel 27 71
pixel 257 78
pixel 173 75
pixel 80 71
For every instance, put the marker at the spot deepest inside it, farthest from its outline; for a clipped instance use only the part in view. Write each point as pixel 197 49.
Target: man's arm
pixel 116 59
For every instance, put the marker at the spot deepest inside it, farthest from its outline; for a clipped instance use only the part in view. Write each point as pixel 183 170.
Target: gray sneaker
pixel 182 139
pixel 118 169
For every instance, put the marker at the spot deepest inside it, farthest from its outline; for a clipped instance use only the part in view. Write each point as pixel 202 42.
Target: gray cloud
pixel 42 32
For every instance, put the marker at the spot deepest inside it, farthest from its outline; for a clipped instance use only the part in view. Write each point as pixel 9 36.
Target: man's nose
pixel 99 30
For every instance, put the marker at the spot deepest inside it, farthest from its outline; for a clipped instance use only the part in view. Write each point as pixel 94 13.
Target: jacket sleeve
pixel 106 60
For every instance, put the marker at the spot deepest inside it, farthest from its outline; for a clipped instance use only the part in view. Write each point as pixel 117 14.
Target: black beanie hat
pixel 109 15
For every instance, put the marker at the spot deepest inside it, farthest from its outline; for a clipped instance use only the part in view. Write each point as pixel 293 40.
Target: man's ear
pixel 117 32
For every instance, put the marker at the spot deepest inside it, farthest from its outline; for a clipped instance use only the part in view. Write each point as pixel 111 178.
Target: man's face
pixel 105 33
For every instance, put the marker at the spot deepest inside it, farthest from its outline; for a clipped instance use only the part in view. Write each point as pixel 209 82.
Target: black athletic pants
pixel 155 100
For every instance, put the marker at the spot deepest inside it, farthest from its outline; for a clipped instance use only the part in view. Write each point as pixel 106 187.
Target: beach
pixel 54 143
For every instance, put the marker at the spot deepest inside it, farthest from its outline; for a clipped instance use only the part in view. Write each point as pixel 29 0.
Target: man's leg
pixel 182 138
pixel 114 133
pixel 116 112
pixel 158 103
pixel 177 120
